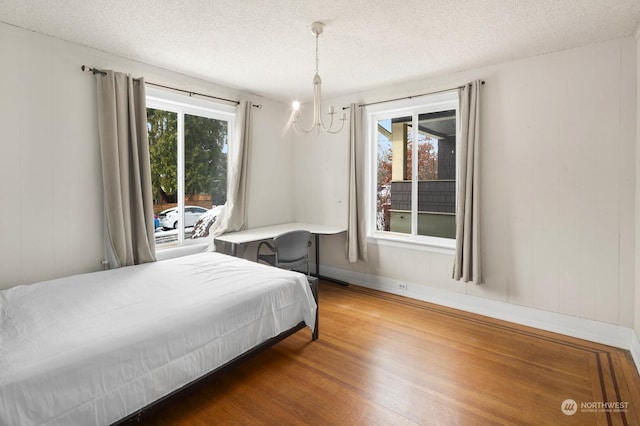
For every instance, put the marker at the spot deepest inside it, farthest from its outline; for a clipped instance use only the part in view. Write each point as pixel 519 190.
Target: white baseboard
pixel 582 328
pixel 635 350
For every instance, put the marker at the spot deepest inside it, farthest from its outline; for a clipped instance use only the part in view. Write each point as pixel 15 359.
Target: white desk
pixel 268 232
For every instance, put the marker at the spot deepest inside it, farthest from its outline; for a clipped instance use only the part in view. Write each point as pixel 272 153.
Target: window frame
pixel 406 107
pixel 182 104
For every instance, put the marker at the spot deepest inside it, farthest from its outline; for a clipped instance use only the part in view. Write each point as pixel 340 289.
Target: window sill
pixel 165 253
pixel 433 244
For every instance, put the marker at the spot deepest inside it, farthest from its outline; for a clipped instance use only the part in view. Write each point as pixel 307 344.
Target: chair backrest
pixel 292 246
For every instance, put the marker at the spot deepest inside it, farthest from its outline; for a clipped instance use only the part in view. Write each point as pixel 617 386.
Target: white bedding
pixel 93 348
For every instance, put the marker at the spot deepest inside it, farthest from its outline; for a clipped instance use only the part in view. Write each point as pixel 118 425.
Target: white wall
pixel 49 167
pixel 270 189
pixel 321 169
pixel 558 189
pixel 50 178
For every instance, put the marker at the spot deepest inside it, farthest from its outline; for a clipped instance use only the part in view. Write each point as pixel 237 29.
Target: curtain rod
pixel 97 71
pixel 411 97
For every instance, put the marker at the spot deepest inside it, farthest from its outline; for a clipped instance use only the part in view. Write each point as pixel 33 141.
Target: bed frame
pixel 138 416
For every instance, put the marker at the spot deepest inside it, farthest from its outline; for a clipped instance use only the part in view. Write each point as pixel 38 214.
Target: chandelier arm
pixel 324 127
pixel 317 102
pixel 298 128
pixel 333 132
pixel 315 122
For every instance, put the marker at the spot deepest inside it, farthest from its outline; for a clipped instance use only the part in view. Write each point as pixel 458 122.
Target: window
pixel 413 196
pixel 188 148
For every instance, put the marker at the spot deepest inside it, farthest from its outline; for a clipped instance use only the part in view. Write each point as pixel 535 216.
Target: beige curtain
pixel 234 213
pixel 467 266
pixel 126 170
pixel 356 230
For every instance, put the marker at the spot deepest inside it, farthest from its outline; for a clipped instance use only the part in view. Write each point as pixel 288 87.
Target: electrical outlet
pixel 402 286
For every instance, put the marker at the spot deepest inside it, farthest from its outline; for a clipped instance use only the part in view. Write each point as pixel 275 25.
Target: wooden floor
pixel 387 360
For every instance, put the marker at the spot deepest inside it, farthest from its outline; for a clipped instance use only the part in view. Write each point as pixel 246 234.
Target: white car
pixel 169 218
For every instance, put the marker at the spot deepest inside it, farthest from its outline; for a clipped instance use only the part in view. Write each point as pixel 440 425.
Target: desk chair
pixel 290 250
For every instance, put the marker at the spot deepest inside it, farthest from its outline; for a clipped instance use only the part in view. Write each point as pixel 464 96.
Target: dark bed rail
pixel 138 416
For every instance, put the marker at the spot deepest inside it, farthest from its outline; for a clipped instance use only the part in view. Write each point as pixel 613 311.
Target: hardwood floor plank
pixel 387 360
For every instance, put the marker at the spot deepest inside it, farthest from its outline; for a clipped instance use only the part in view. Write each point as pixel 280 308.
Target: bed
pixel 95 348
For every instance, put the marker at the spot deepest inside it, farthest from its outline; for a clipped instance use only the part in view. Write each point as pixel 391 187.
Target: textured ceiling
pixel 265 47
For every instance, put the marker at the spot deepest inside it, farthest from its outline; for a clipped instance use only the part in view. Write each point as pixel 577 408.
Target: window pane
pixel 162 129
pixel 437 174
pixel 393 203
pixel 205 169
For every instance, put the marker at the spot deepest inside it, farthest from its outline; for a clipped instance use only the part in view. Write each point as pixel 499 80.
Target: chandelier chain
pixel 317 61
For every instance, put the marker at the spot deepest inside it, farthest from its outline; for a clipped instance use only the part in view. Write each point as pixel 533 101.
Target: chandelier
pixel 318 122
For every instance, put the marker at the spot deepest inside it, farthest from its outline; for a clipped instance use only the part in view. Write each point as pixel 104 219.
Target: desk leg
pixel 317 255
pixel 313 283
pixel 317 274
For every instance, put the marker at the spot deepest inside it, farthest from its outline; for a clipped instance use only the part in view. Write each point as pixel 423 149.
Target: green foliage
pixel 205 155
pixel 162 127
pixel 205 141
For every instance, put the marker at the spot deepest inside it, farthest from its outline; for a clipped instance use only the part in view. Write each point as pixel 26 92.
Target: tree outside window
pixel 188 149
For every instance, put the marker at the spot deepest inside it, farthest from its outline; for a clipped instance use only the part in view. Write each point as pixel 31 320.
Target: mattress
pixel 93 348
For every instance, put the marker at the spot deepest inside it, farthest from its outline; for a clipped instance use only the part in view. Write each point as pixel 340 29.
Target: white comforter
pixel 93 348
